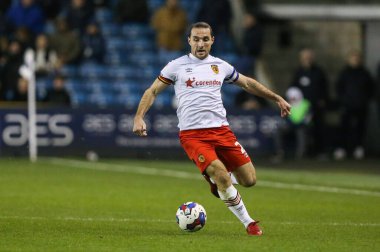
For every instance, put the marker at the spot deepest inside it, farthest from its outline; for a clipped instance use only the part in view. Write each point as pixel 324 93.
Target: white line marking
pixel 111 219
pixel 187 175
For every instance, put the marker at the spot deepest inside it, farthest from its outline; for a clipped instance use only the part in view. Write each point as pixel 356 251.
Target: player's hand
pixel 284 106
pixel 139 127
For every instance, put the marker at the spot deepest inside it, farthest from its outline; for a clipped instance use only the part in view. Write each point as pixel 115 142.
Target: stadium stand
pixel 130 63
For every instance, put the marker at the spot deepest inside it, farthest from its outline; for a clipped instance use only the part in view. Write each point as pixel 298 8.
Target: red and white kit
pixel 204 131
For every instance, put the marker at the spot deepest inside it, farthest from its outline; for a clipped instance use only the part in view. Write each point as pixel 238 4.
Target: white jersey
pixel 197 85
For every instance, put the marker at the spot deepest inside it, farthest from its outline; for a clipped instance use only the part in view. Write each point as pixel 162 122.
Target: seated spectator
pixel 26 13
pixel 58 95
pixel 21 93
pixel 66 43
pixel 131 11
pixel 93 44
pixel 78 14
pixel 170 23
pixel 45 58
pixel 10 70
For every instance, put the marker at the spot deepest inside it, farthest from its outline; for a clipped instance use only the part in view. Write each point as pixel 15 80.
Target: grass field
pixel 130 205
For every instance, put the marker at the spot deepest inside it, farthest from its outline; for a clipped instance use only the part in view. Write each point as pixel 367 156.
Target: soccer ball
pixel 191 216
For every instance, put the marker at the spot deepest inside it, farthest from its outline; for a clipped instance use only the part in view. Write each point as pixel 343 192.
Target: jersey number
pixel 241 149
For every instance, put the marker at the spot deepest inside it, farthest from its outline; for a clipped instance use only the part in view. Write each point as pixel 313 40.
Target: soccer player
pixel 204 133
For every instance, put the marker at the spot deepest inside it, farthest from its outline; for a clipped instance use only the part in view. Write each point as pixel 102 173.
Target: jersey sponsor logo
pixel 189 83
pixel 215 68
pixel 202 83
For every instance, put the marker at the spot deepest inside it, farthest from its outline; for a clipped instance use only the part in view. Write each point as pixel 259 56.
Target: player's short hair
pixel 199 25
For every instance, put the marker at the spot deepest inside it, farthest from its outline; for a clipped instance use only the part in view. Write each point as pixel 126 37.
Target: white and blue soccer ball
pixel 191 216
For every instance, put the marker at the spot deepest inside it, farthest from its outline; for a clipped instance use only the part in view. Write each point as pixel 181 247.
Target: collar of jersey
pixel 196 59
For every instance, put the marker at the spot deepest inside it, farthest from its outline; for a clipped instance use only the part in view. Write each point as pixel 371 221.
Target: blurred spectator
pixel 131 11
pixel 3 50
pixel 10 71
pixel 218 14
pixel 44 57
pixel 26 13
pixel 296 126
pixel 93 44
pixel 250 48
pixel 4 5
pixel 170 23
pixel 312 82
pixel 51 8
pixel 66 43
pixel 22 35
pixel 247 101
pixel 21 93
pixel 58 94
pixel 355 88
pixel 78 14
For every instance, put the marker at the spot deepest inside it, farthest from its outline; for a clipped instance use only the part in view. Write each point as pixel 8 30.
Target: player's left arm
pixel 254 87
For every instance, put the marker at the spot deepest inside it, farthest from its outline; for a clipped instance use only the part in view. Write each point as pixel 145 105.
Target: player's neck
pixel 196 58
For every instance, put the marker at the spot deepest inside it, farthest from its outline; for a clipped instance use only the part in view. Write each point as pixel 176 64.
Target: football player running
pixel 204 132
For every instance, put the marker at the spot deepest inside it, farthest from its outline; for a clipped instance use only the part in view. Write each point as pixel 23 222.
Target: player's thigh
pixel 246 174
pixel 200 152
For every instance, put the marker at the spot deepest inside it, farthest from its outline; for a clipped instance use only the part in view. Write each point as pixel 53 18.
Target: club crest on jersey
pixel 215 68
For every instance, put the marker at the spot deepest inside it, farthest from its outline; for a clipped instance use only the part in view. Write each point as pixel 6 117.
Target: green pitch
pixel 122 205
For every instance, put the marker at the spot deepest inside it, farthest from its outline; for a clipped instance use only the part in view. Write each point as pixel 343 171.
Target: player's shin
pixel 231 197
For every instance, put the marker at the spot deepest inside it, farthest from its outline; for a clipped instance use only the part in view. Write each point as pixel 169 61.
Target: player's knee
pixel 219 174
pixel 248 182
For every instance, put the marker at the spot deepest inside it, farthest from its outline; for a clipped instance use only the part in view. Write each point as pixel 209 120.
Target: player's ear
pixel 188 40
pixel 212 40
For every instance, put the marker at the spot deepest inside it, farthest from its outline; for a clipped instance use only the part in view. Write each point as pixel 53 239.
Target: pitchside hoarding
pixel 109 132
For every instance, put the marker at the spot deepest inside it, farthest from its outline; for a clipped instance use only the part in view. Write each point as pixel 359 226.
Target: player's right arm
pixel 139 126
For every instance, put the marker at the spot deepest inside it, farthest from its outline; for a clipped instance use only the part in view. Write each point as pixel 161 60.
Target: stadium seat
pixel 98 87
pixel 69 70
pixel 121 72
pixel 143 59
pixel 149 73
pixel 100 100
pixel 116 58
pixel 94 71
pixel 103 15
pixel 163 100
pixel 110 29
pixel 140 45
pixel 130 101
pixel 78 99
pixel 155 4
pixel 135 31
pixel 115 43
